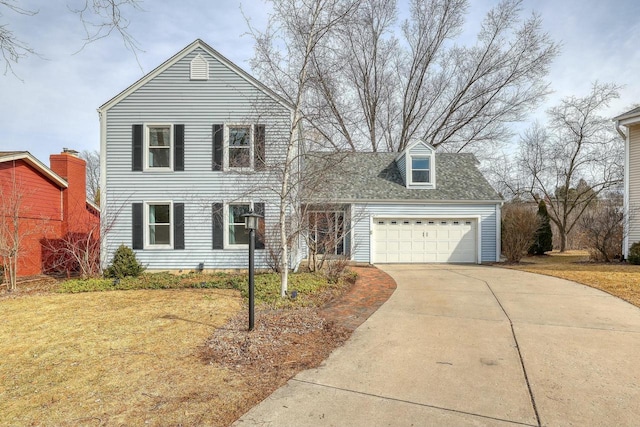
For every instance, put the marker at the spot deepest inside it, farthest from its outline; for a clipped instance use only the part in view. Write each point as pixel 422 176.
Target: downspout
pixel 620 131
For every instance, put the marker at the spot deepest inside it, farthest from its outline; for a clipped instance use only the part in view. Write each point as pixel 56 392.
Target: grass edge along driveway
pixel 618 279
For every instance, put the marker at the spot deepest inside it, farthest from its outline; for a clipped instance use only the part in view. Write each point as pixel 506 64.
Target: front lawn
pixel 619 279
pixel 134 357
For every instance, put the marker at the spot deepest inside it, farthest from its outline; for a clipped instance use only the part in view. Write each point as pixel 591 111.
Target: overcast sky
pixel 53 102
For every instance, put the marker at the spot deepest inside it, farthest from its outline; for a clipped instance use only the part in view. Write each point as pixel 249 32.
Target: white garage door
pixel 419 240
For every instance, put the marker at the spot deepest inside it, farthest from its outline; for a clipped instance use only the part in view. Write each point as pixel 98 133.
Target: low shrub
pixel 334 269
pixel 310 288
pixel 155 281
pixel 634 254
pixel 124 264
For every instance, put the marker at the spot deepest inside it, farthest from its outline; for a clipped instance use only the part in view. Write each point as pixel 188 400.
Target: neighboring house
pixel 49 204
pixel 631 121
pixel 196 143
pixel 185 152
pixel 417 206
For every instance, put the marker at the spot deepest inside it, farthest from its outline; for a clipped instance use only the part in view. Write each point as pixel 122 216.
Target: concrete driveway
pixel 460 345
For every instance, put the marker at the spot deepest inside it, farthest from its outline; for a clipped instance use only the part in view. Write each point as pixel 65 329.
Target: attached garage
pixel 425 240
pixel 416 206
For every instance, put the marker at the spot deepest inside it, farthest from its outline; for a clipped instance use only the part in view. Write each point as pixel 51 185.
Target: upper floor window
pixel 158 147
pixel 420 170
pixel 240 147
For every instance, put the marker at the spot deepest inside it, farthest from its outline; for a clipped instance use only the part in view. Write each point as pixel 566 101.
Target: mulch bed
pixel 285 342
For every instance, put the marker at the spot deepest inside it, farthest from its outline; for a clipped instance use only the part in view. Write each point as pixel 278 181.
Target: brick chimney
pixel 73 169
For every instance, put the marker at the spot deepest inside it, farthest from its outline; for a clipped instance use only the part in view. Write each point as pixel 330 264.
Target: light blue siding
pixel 172 98
pixel 402 166
pixel 363 213
pixel 420 149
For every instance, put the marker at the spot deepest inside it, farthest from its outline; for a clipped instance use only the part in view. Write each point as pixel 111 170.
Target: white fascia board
pixel 177 57
pixel 405 202
pixel 413 144
pixel 28 158
pixel 629 120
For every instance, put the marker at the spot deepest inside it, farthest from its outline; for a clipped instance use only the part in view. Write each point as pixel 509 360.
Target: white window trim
pixel 146 234
pixel 409 171
pixel 226 244
pixel 251 147
pixel 147 168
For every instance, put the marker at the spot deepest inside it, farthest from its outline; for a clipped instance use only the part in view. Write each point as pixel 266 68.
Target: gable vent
pixel 199 68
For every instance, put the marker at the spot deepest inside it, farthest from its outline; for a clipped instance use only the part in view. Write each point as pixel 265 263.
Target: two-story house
pixel 196 143
pixel 185 152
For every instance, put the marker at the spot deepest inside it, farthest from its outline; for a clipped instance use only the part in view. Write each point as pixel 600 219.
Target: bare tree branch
pixel 574 159
pixel 101 18
pixel 12 48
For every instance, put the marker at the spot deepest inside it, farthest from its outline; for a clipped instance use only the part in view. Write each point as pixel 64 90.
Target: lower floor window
pixel 238 234
pixel 159 220
pixel 328 232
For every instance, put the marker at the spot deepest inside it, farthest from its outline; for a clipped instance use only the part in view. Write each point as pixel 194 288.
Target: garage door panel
pixel 424 240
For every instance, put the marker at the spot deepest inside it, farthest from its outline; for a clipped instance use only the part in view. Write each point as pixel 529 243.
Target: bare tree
pixel 574 159
pixel 100 19
pixel 303 24
pixel 376 83
pixel 17 226
pixel 92 158
pixel 11 239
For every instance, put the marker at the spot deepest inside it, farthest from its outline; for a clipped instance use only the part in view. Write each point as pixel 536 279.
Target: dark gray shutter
pixel 178 150
pixel 137 221
pixel 178 226
pixel 260 234
pixel 217 223
pixel 136 155
pixel 218 146
pixel 258 149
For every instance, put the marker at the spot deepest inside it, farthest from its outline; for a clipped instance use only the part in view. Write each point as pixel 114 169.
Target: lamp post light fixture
pixel 251 223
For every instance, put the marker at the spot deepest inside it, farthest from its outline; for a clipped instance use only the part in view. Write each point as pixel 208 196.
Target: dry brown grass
pixel 115 358
pixel 619 279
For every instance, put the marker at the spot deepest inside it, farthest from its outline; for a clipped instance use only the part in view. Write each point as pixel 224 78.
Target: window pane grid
pixel 159 224
pixel 159 147
pixel 239 146
pixel 238 234
pixel 420 169
pixel 328 232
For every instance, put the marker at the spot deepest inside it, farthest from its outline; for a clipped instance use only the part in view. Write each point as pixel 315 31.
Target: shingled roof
pixel 376 177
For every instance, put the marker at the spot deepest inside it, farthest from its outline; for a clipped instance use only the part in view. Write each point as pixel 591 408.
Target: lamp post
pixel 251 224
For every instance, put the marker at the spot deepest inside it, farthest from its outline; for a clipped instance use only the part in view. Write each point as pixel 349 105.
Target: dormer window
pixel 417 165
pixel 420 170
